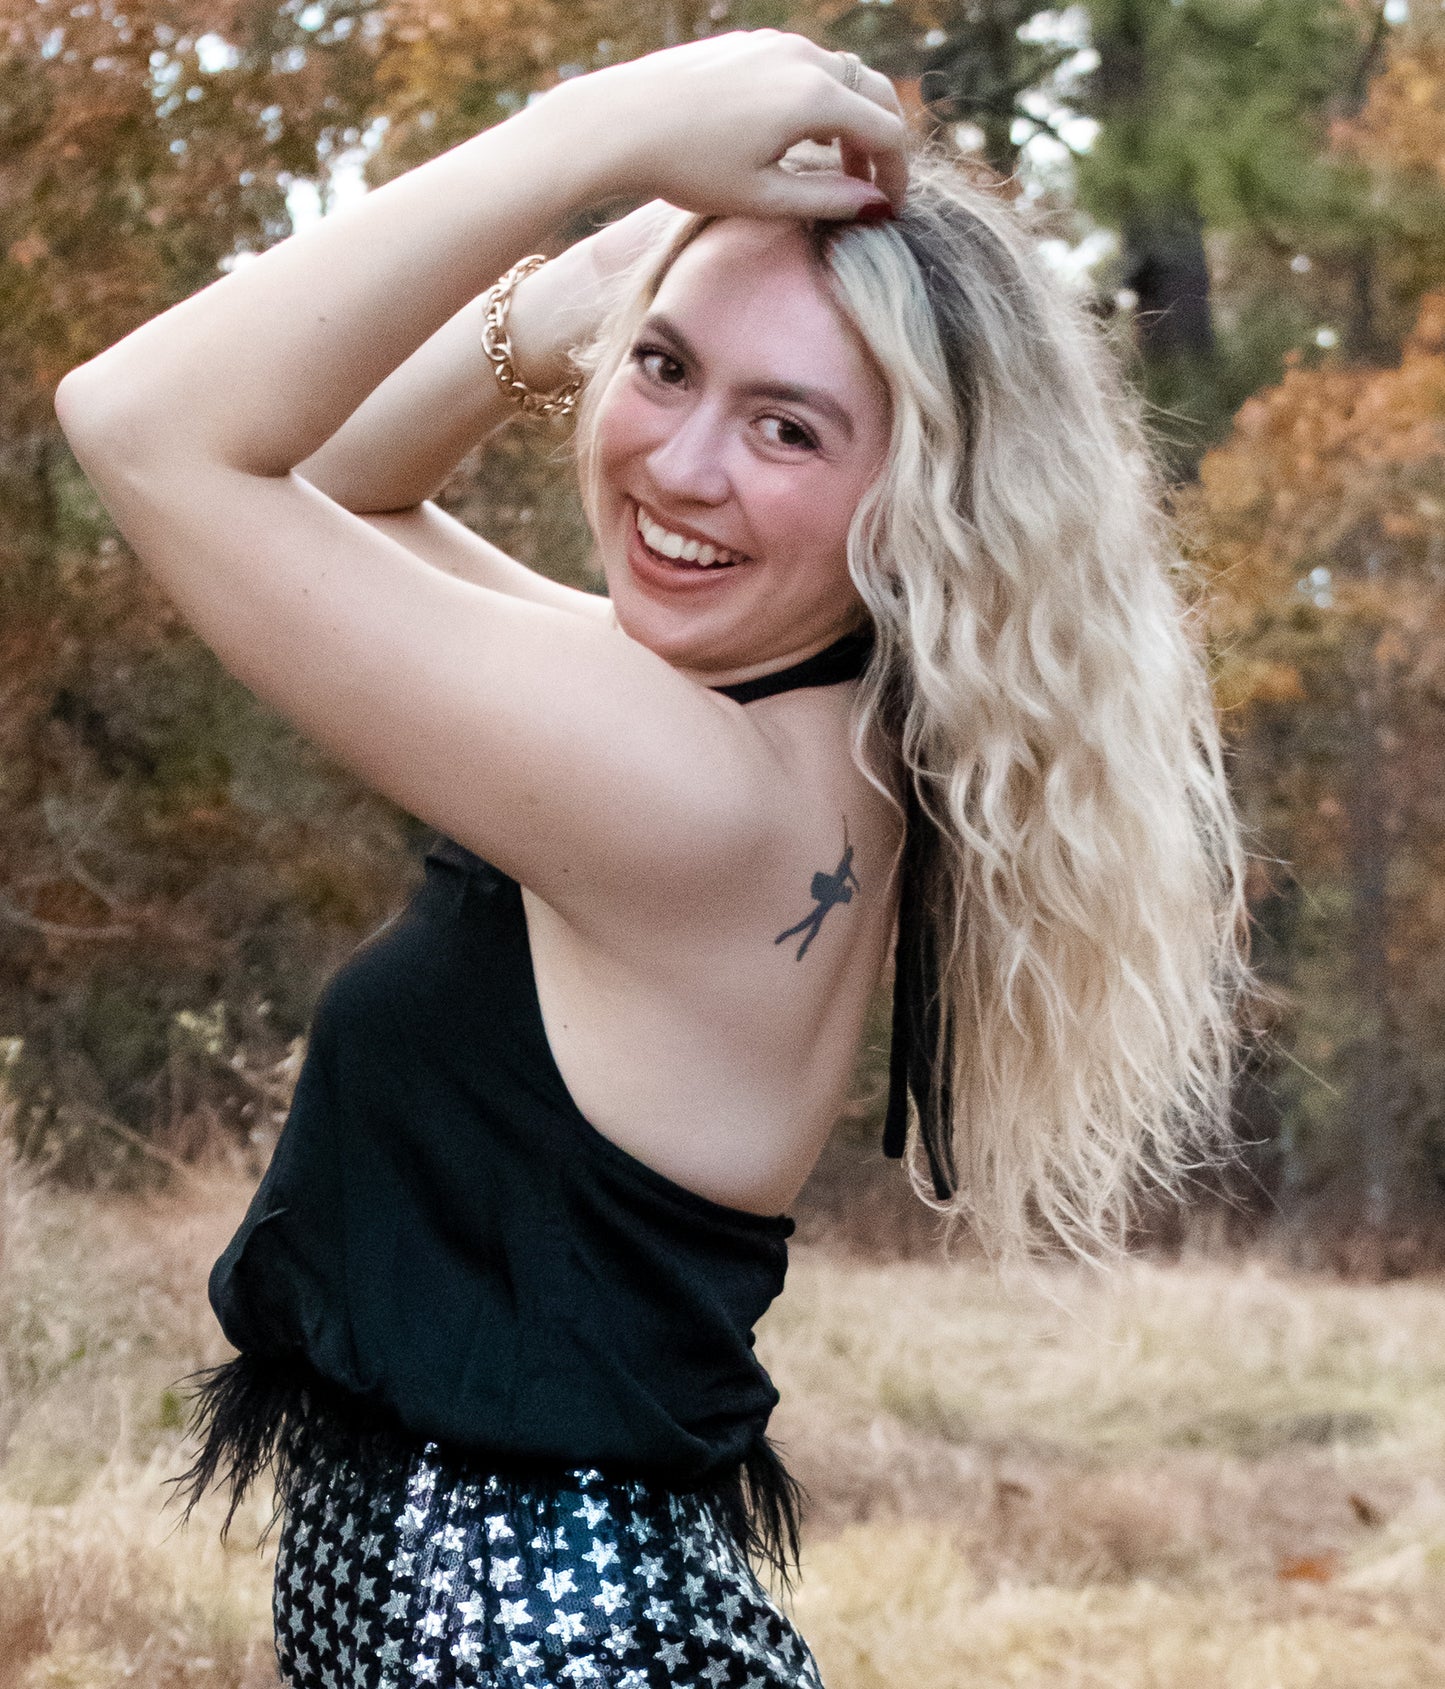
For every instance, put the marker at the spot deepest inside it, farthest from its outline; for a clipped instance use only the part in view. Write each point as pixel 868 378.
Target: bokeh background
pixel 1224 1466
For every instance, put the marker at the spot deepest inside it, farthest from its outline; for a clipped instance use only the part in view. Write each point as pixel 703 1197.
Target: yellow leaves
pixel 1256 680
pixel 1278 683
pixel 1231 481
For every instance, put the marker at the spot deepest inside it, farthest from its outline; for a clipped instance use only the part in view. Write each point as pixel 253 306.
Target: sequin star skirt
pixel 412 1570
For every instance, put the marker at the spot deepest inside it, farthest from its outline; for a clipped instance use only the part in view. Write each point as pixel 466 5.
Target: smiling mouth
pixel 678 550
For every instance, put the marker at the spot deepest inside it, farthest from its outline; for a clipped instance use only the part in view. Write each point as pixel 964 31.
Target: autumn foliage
pixel 178 874
pixel 1318 526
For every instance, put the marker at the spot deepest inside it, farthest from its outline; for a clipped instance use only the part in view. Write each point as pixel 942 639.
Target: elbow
pixel 69 402
pixel 105 427
pixel 87 410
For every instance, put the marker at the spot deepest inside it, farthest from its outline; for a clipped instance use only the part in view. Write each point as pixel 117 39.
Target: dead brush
pixel 96 1594
pixel 1102 1489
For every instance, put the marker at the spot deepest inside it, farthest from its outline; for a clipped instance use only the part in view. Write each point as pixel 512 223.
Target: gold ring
pixel 852 71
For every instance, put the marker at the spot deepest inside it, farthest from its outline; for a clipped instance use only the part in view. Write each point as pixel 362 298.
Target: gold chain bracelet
pixel 497 344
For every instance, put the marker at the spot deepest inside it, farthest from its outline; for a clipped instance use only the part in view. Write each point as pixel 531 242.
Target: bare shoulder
pixel 838 830
pixel 718 1047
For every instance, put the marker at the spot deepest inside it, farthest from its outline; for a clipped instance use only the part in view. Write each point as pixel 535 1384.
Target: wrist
pixel 543 329
pixel 590 138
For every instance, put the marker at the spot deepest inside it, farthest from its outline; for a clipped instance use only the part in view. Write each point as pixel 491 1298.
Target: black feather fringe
pixel 253 1415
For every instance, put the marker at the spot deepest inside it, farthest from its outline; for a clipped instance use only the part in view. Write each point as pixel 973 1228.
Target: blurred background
pixel 1226 1467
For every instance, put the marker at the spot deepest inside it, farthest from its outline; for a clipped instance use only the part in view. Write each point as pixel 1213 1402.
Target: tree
pixel 1320 525
pixel 169 861
pixel 1211 160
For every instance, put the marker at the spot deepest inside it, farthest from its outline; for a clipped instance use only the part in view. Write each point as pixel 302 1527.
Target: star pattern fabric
pixel 419 1571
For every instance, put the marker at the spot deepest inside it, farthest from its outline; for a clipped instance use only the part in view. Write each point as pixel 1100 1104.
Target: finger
pixel 879 88
pixel 888 167
pixel 856 162
pixel 864 126
pixel 889 170
pixel 825 195
pixel 890 173
pixel 871 84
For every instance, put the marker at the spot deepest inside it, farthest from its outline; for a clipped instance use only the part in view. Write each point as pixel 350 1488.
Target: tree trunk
pixel 1371 1128
pixel 1165 266
pixel 1163 238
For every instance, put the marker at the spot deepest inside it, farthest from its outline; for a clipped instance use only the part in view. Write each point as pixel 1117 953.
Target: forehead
pixel 753 289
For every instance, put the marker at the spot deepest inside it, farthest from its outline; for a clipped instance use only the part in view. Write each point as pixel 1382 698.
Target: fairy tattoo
pixel 828 890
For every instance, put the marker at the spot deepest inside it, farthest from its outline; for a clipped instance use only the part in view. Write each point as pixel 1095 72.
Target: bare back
pixel 719 1050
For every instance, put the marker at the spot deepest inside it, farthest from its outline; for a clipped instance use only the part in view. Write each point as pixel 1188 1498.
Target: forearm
pixel 258 371
pixel 405 440
pixel 408 436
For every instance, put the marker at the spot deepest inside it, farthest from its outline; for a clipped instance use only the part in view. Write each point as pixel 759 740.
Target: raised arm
pixel 577 760
pixel 406 438
pixel 401 445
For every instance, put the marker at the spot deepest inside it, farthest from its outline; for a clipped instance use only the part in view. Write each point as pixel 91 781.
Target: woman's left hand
pixel 560 305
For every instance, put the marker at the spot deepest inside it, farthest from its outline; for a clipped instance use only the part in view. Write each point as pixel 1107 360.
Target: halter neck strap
pixel 844 659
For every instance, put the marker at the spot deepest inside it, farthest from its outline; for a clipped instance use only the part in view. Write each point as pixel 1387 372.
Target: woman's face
pixel 747 418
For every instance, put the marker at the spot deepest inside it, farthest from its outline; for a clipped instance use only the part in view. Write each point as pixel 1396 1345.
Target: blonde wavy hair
pixel 1040 673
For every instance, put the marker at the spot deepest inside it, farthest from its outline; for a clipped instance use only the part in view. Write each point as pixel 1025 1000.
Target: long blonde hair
pixel 1040 673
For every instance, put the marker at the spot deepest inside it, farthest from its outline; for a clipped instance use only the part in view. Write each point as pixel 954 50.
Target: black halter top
pixel 443 1248
pixel 915 978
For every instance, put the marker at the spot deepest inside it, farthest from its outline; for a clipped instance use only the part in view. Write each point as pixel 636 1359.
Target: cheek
pixel 626 424
pixel 807 513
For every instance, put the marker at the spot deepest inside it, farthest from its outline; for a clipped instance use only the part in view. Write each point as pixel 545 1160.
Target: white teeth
pixel 668 544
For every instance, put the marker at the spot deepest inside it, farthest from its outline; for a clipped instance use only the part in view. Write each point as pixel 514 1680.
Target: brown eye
pixel 657 365
pixel 789 433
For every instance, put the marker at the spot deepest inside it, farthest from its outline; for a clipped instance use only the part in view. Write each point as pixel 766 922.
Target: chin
pixel 668 635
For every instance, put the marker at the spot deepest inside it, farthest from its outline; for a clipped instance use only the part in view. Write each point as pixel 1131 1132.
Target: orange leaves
pixel 1309 1568
pixel 1332 448
pixel 123 151
pixel 1325 506
pixel 1403 123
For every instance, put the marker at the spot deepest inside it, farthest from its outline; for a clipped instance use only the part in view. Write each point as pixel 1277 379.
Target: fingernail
pixel 876 211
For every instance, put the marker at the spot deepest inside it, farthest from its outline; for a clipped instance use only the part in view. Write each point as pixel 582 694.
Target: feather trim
pixel 254 1415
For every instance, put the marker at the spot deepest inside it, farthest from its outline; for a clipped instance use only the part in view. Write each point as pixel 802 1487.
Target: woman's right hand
pixel 706 126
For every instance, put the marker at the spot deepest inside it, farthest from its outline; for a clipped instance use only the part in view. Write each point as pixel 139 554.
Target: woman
pixel 890 639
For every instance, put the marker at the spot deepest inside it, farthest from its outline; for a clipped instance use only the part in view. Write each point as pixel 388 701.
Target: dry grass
pixel 1186 1478
pixel 1189 1477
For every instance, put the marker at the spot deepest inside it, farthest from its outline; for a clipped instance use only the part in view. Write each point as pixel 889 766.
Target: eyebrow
pixel 787 392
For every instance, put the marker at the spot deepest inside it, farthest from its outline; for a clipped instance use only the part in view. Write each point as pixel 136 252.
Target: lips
pixel 681 546
pixel 655 567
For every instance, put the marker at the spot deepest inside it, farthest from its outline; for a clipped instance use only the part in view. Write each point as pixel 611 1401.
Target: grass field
pixel 1189 1477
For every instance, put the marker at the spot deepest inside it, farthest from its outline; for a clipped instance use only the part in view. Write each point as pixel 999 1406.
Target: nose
pixel 690 463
